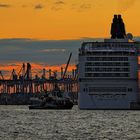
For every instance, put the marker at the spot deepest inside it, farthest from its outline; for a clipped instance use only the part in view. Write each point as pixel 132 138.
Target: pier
pixel 23 84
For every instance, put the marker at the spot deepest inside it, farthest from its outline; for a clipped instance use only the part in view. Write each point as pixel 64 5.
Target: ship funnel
pixel 118 28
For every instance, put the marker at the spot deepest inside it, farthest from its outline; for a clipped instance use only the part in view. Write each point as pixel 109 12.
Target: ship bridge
pixel 116 48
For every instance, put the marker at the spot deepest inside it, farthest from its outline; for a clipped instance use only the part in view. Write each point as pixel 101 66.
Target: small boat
pixel 53 100
pixel 53 103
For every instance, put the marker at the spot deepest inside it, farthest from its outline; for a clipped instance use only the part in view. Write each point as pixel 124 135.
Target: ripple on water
pixel 20 123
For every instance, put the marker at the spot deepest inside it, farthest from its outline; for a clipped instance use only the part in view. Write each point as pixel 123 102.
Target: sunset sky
pixel 48 54
pixel 44 32
pixel 65 19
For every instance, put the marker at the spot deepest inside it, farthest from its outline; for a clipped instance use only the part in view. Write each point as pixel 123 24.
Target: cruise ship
pixel 108 71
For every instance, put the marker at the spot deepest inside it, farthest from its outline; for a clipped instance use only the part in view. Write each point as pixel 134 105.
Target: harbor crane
pixel 67 65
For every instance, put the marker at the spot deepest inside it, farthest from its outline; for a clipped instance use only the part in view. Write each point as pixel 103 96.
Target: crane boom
pixel 1 75
pixel 67 65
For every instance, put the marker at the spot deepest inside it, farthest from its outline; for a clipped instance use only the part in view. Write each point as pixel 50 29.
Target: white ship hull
pixel 108 102
pixel 122 97
pixel 108 71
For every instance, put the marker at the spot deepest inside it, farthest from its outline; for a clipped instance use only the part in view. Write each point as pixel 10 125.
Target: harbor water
pixel 20 123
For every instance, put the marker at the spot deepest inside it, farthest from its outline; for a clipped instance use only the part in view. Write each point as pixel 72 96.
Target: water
pixel 19 123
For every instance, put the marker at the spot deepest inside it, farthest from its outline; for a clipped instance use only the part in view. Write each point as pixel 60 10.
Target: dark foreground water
pixel 19 123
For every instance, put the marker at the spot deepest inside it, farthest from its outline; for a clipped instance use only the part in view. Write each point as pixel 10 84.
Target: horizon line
pixel 67 39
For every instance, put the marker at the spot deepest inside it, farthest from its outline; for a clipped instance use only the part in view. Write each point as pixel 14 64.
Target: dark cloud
pixel 85 6
pixel 39 51
pixel 82 7
pixel 4 5
pixel 51 52
pixel 58 5
pixel 59 2
pixel 56 8
pixel 38 6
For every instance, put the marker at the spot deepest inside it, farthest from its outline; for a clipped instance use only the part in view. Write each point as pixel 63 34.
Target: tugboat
pixel 53 100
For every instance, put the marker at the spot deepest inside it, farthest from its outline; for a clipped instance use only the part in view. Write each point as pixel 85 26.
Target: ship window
pixel 107 89
pixel 130 89
pixel 84 90
pixel 107 58
pixel 106 75
pixel 104 69
pixel 117 53
pixel 79 79
pixel 107 64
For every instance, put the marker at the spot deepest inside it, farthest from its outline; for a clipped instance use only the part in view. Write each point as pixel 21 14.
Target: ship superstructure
pixel 108 71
